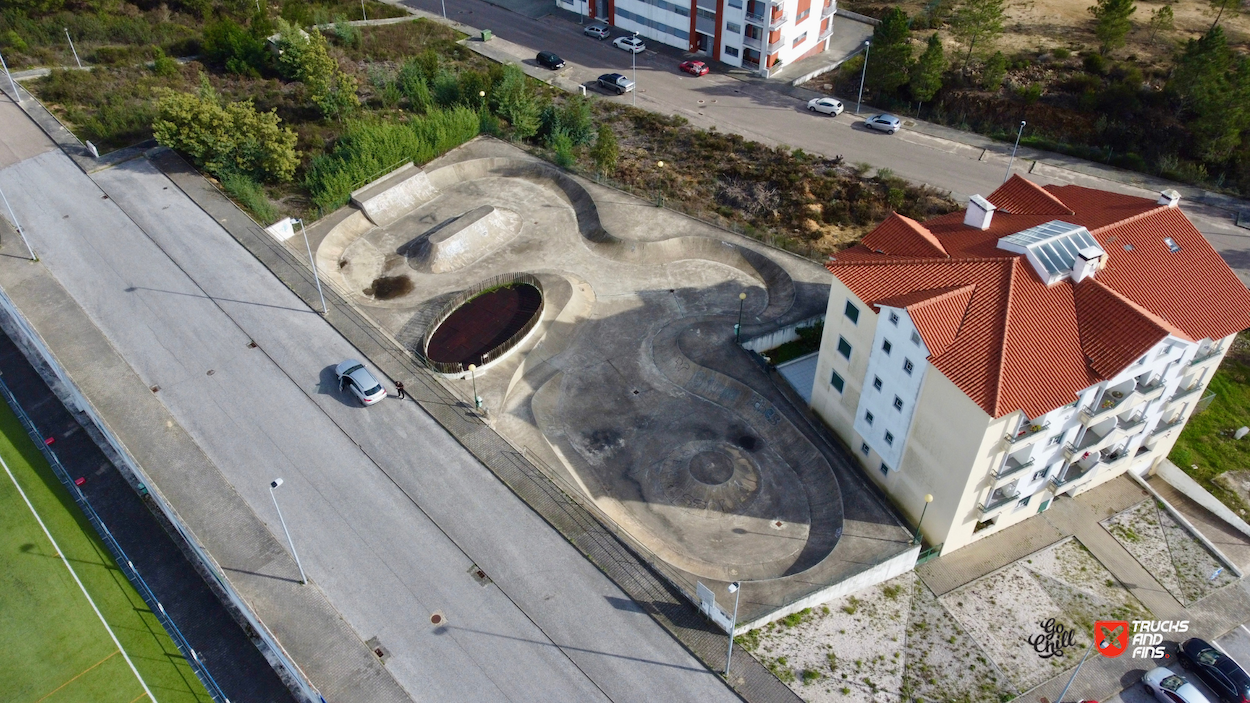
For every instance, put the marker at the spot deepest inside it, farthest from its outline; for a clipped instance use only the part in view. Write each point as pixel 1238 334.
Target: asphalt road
pixel 388 512
pixel 766 114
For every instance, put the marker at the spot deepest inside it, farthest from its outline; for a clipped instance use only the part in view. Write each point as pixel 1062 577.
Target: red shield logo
pixel 1111 637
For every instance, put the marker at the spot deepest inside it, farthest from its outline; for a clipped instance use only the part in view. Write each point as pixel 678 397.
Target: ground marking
pixel 65 561
pixel 78 675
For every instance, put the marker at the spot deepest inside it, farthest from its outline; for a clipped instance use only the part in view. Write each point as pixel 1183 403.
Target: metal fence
pixel 119 555
pixel 500 281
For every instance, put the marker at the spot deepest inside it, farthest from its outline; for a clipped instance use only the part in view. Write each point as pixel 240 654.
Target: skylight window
pixel 1172 245
pixel 1053 248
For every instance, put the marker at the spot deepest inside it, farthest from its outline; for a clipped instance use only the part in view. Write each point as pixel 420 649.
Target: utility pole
pixel 1013 152
pixel 272 485
pixel 633 56
pixel 312 262
pixel 736 589
pixel 862 74
pixel 17 97
pixel 71 47
pixel 17 226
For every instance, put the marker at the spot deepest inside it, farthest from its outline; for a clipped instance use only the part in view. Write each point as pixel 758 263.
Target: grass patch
pixel 251 196
pixel 1207 440
pixel 50 634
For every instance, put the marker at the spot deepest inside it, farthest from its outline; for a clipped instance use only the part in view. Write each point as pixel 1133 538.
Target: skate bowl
pixel 481 324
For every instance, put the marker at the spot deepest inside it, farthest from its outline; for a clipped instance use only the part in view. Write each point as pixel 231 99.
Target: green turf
pixel 53 648
pixel 1207 440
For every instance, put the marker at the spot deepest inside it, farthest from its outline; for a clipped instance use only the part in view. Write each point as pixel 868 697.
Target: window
pixel 868 418
pixel 886 346
pixel 885 470
pixel 733 28
pixel 1172 245
pixel 863 447
pixel 889 438
pixel 894 319
pixel 908 366
pixel 837 382
pixel 731 51
pixel 803 15
pixel 876 382
pixel 799 40
pixel 915 338
pixel 1040 474
pixel 1023 502
pixel 736 4
pixel 653 24
pixel 1057 439
pixel 898 403
pixel 851 312
pixel 844 347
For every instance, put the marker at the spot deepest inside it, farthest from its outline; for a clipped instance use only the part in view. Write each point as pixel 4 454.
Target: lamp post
pixel 633 57
pixel 736 589
pixel 71 48
pixel 444 2
pixel 742 301
pixel 862 73
pixel 17 226
pixel 362 11
pixel 313 263
pixel 272 485
pixel 928 498
pixel 17 97
pixel 477 400
pixel 1013 152
pixel 660 200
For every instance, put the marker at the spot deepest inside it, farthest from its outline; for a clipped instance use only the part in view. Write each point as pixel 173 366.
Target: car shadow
pixel 328 384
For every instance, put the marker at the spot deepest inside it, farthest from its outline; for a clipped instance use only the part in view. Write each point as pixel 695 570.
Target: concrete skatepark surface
pixel 633 389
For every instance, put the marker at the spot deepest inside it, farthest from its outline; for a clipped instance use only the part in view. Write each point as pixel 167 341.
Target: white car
pixel 355 377
pixel 1170 688
pixel 630 44
pixel 829 106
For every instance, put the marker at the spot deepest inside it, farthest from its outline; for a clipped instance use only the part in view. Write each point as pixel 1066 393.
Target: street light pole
pixel 17 226
pixel 17 97
pixel 444 9
pixel 362 11
pixel 71 47
pixel 633 56
pixel 1078 668
pixel 928 498
pixel 312 262
pixel 742 300
pixel 736 589
pixel 1013 152
pixel 272 485
pixel 862 73
pixel 477 400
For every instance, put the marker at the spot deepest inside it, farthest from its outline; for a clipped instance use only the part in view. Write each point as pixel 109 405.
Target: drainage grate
pixel 479 575
pixel 382 652
pixel 438 619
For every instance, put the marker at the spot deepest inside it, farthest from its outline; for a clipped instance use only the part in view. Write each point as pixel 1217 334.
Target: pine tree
pixel 977 23
pixel 605 151
pixel 1213 85
pixel 1160 19
pixel 890 56
pixel 926 73
pixel 1113 23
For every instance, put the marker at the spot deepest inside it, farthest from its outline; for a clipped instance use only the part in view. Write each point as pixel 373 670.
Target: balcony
pixel 1002 499
pixel 753 42
pixel 1070 475
pixel 776 3
pixel 828 10
pixel 1108 404
pixel 776 46
pixel 1130 427
pixel 1166 426
pixel 753 65
pixel 825 33
pixel 1011 467
pixel 1207 355
pixel 1185 392
pixel 755 18
pixel 1150 391
pixel 1025 433
pixel 777 21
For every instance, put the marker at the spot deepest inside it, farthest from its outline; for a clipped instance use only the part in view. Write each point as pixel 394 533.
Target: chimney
pixel 1088 261
pixel 979 213
pixel 1169 198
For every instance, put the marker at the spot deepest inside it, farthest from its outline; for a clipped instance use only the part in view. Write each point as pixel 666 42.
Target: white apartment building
pixel 736 32
pixel 1042 342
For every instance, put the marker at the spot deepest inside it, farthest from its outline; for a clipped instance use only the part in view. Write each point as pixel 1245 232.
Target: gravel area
pixel 1063 582
pixel 1168 551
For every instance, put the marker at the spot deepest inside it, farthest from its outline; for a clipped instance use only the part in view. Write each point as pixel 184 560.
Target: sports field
pixel 54 647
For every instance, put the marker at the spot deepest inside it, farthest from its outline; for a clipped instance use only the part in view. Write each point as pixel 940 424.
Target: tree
pixel 890 52
pixel 512 100
pixel 994 72
pixel 1113 22
pixel 228 45
pixel 605 152
pixel 977 23
pixel 413 85
pixel 926 74
pixel 1232 6
pixel 230 139
pixel 305 58
pixel 1213 87
pixel 1160 19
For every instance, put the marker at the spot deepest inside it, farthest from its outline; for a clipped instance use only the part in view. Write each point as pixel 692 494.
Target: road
pixel 766 114
pixel 1235 644
pixel 388 512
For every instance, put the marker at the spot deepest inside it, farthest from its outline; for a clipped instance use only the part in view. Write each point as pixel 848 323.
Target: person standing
pixel 399 390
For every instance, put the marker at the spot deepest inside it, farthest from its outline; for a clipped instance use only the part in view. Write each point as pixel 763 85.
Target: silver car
pixel 1170 688
pixel 355 377
pixel 884 123
pixel 598 31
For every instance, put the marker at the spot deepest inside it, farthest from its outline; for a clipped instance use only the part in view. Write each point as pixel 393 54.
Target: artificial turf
pixel 53 647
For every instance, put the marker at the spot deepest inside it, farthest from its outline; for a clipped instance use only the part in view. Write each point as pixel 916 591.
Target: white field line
pixel 77 580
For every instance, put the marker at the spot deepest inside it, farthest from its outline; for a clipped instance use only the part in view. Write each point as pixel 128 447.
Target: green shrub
pixel 446 89
pixel 305 59
pixel 233 48
pixel 368 150
pixel 994 71
pixel 250 195
pixel 415 87
pixel 605 152
pixel 386 87
pixel 347 34
pixel 162 65
pixel 513 100
pixel 1095 64
pixel 474 87
pixel 12 40
pixel 1030 93
pixel 1061 53
pixel 562 145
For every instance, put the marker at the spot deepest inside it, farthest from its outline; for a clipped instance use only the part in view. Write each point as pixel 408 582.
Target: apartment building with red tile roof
pixel 1041 342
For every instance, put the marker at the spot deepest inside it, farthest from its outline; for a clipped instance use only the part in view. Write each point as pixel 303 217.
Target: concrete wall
pixel 776 338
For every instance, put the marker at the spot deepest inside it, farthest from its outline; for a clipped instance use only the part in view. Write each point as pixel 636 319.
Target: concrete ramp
pixel 462 240
pixel 394 195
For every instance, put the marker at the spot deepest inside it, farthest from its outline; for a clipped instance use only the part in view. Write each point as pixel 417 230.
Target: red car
pixel 694 68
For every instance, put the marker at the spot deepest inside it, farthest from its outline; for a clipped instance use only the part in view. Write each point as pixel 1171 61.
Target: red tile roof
pixel 1009 341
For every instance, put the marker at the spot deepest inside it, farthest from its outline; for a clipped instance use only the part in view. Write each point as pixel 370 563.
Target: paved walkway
pixel 1234 544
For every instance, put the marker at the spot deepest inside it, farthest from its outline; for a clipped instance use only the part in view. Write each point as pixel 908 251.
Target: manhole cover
pixel 438 619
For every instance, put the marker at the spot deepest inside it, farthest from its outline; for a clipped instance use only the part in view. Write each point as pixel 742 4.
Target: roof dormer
pixel 1056 250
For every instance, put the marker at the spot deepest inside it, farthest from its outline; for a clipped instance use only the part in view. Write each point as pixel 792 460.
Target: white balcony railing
pixel 828 10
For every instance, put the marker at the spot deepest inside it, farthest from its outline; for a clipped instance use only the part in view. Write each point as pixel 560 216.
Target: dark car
pixel 550 60
pixel 1216 669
